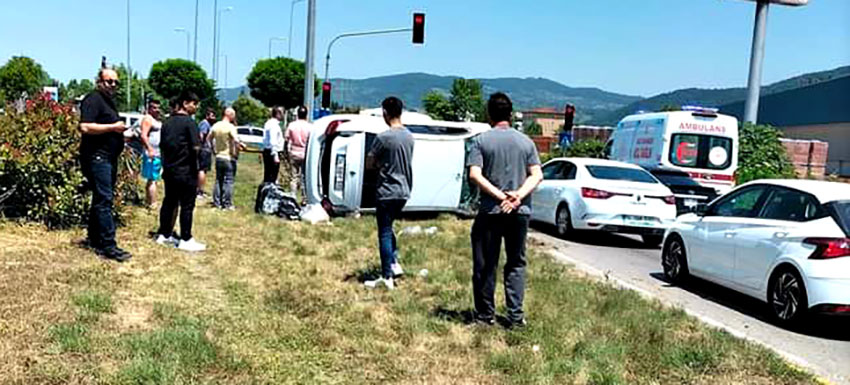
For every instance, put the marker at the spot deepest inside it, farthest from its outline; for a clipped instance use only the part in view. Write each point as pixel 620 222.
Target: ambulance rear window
pixel 701 151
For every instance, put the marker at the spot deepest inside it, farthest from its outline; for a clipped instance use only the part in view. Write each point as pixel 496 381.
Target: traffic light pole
pixel 309 75
pixel 355 34
pixel 751 108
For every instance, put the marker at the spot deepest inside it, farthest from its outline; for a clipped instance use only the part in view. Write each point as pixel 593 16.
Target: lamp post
pixel 309 62
pixel 218 37
pixel 291 11
pixel 183 30
pixel 195 52
pixel 225 69
pixel 271 39
pixel 129 68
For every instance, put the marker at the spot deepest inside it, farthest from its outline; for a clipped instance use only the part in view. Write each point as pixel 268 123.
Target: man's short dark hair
pixel 188 96
pixel 393 107
pixel 152 102
pixel 499 107
pixel 302 112
pixel 210 111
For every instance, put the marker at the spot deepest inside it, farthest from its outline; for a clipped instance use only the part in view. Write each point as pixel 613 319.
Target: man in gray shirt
pixel 391 153
pixel 504 164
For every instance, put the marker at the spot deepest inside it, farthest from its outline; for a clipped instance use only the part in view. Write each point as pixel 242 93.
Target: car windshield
pixel 675 178
pixel 701 151
pixel 243 131
pixel 620 173
pixel 840 211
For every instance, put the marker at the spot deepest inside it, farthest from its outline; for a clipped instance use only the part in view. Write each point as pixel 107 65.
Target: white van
pixel 335 175
pixel 700 142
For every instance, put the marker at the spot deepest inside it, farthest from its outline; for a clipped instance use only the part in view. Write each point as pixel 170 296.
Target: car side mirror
pixel 701 210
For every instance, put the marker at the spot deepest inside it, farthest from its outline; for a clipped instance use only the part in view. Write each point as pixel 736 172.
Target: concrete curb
pixel 608 276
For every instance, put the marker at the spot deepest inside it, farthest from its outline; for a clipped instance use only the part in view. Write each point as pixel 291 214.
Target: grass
pixel 279 302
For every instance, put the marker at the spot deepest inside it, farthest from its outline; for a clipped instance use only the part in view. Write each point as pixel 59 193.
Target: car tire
pixel 652 240
pixel 789 303
pixel 674 260
pixel 563 221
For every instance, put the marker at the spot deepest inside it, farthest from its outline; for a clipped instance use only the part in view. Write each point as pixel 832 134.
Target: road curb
pixel 608 276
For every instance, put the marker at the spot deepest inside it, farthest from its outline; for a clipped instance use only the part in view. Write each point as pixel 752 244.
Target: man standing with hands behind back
pixel 504 163
pixel 101 145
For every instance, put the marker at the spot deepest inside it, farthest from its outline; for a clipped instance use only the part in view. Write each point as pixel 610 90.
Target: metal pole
pixel 187 45
pixel 355 34
pixel 129 68
pixel 309 75
pixel 751 109
pixel 215 37
pixel 195 53
pixel 291 11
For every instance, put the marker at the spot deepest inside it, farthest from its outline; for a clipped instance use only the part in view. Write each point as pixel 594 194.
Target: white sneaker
pixel 167 241
pixel 397 270
pixel 191 245
pixel 388 283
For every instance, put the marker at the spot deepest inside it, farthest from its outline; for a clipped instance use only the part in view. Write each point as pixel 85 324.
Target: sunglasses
pixel 111 82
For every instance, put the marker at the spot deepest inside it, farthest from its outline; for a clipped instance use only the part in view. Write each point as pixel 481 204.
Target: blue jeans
pixel 101 172
pixel 225 170
pixel 387 211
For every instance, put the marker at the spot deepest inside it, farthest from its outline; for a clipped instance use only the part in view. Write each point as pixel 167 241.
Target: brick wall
pixel 808 156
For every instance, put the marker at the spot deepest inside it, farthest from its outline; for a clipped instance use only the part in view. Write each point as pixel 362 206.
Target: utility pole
pixel 129 68
pixel 195 52
pixel 309 76
pixel 291 11
pixel 215 37
pixel 751 108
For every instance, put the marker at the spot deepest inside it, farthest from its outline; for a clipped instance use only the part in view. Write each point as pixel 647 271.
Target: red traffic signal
pixel 418 28
pixel 326 95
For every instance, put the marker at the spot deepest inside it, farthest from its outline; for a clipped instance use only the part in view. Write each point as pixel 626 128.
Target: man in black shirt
pixel 180 147
pixel 101 145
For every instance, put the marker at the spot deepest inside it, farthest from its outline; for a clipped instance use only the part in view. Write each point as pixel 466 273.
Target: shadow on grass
pixel 464 317
pixel 364 274
pixel 817 325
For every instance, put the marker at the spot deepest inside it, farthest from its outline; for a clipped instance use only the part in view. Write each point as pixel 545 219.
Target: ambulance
pixel 693 151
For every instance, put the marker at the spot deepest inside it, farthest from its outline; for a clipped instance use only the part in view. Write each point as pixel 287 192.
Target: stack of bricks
pixel 544 143
pixel 808 156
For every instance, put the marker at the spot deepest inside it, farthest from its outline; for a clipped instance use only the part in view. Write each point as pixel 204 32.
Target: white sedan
pixel 251 137
pixel 596 194
pixel 784 242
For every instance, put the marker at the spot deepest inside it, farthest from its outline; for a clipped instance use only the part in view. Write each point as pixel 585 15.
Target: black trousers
pixel 488 230
pixel 270 168
pixel 101 172
pixel 179 193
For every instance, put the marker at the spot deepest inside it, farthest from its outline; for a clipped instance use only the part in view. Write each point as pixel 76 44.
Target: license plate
pixel 690 203
pixel 635 220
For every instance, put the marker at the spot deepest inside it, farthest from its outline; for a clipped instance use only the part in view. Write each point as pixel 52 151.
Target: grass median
pixel 282 302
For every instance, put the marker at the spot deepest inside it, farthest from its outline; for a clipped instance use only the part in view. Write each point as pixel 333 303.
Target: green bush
pixel 761 154
pixel 40 175
pixel 533 129
pixel 588 148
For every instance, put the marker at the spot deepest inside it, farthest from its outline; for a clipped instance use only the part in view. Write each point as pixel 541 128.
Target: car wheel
pixel 652 240
pixel 674 261
pixel 787 296
pixel 563 222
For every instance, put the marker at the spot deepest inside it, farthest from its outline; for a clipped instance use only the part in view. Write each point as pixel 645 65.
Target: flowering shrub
pixel 40 176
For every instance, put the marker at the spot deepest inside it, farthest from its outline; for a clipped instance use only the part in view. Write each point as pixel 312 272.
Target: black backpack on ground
pixel 272 200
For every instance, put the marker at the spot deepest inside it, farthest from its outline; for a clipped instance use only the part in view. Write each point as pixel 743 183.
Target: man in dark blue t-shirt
pixel 504 163
pixel 101 144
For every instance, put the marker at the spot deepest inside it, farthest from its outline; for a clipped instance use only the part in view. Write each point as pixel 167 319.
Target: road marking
pixel 608 276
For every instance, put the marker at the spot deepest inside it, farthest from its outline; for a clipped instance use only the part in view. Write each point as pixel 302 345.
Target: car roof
pixel 599 162
pixel 824 191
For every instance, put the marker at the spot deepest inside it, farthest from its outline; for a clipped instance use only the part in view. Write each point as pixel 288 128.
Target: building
pixel 550 119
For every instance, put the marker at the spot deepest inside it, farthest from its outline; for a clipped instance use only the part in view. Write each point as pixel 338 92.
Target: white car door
pixel 346 179
pixel 760 241
pixel 542 207
pixel 712 255
pixel 437 174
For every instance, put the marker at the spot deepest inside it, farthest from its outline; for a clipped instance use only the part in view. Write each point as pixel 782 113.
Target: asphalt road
pixel 822 346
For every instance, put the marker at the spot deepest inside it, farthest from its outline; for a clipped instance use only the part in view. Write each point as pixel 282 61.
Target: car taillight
pixel 587 192
pixel 670 200
pixel 828 248
pixel 331 129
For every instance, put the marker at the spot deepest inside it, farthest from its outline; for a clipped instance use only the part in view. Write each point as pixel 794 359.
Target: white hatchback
pixel 597 194
pixel 784 242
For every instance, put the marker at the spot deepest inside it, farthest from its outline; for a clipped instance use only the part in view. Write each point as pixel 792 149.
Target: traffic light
pixel 418 28
pixel 326 95
pixel 569 116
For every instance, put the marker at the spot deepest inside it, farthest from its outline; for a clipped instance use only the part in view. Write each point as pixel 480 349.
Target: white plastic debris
pixel 431 230
pixel 423 273
pixel 314 213
pixel 535 348
pixel 411 230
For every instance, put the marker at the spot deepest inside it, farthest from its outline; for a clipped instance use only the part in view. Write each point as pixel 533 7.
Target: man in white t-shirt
pixel 272 146
pixel 297 134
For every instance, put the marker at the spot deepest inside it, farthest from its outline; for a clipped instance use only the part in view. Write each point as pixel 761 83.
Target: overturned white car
pixel 337 179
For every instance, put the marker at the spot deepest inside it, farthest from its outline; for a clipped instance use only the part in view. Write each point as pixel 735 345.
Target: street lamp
pixel 225 69
pixel 188 37
pixel 129 67
pixel 218 38
pixel 291 11
pixel 271 39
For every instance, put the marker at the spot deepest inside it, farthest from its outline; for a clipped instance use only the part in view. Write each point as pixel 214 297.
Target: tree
pixel 21 76
pixel 279 82
pixel 533 128
pixel 467 100
pixel 250 111
pixel 761 155
pixel 74 89
pixel 588 148
pixel 437 106
pixel 139 90
pixel 170 78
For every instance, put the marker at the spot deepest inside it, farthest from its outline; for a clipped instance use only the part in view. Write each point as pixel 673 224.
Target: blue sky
pixel 638 47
